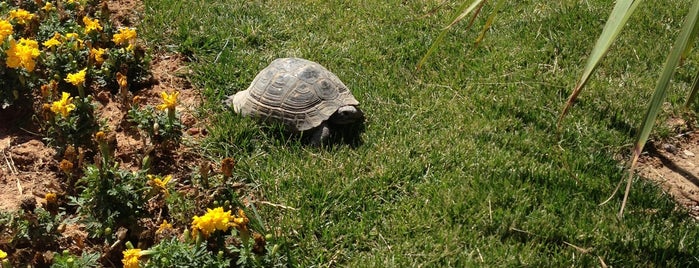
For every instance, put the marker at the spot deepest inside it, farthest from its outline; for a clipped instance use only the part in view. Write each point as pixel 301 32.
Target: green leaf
pixel 466 10
pixel 489 21
pixel 693 93
pixel 671 63
pixel 617 19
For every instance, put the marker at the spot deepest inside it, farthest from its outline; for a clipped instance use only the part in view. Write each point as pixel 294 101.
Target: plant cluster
pixel 59 55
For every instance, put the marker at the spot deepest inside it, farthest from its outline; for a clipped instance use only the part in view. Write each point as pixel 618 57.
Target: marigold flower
pixel 124 36
pixel 56 40
pixel 242 221
pixel 214 219
pixel 97 54
pixel 51 198
pixel 73 36
pixel 160 183
pixel 227 165
pixel 101 136
pixel 48 89
pixel 91 24
pixel 22 54
pixel 121 80
pixel 5 30
pixel 163 226
pixel 66 166
pixel 64 105
pixel 3 254
pixel 131 256
pixel 21 16
pixel 48 7
pixel 78 78
pixel 169 101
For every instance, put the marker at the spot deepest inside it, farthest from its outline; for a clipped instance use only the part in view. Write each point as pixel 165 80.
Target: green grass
pixel 460 164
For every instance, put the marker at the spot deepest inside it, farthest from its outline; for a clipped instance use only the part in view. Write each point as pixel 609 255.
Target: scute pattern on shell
pixel 297 92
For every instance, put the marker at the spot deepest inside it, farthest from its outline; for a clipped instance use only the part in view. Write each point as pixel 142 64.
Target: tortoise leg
pixel 320 135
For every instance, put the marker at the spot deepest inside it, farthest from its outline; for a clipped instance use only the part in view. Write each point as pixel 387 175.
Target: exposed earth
pixel 674 165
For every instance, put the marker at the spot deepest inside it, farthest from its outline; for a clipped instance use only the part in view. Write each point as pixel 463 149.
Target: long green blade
pixel 671 63
pixel 693 94
pixel 617 19
pixel 489 21
pixel 467 9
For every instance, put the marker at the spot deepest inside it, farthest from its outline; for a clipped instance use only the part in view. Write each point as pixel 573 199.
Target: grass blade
pixel 489 21
pixel 617 19
pixel 467 9
pixel 692 95
pixel 661 87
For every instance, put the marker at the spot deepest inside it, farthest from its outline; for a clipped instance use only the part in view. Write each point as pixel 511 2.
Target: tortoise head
pixel 347 114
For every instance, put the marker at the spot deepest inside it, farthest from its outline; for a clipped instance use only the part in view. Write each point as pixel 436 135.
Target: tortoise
pixel 302 95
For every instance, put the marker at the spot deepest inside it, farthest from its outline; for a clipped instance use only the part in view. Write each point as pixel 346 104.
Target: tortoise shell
pixel 299 93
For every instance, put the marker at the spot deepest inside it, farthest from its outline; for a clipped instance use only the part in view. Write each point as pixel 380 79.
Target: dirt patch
pixel 674 165
pixel 29 168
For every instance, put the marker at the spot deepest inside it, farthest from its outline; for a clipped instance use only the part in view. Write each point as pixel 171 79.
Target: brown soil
pixel 29 168
pixel 674 165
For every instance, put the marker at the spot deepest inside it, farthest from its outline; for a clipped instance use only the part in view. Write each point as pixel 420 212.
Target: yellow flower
pixel 124 36
pixel 101 137
pixel 131 256
pixel 122 80
pixel 98 54
pixel 3 254
pixel 51 198
pixel 169 101
pixel 72 35
pixel 78 78
pixel 214 219
pixel 54 41
pixel 160 184
pixel 5 30
pixel 163 226
pixel 64 105
pixel 48 7
pixel 75 37
pixel 91 25
pixel 22 54
pixel 241 222
pixel 21 16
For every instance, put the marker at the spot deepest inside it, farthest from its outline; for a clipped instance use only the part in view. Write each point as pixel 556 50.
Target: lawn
pixel 460 163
